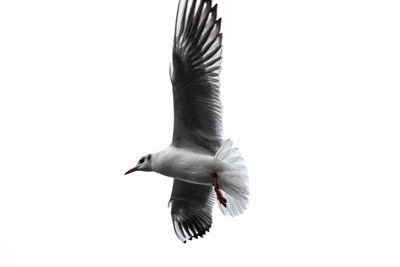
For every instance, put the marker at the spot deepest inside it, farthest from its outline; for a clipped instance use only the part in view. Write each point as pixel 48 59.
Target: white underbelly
pixel 188 166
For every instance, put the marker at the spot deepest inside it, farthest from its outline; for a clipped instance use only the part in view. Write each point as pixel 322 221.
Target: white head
pixel 144 164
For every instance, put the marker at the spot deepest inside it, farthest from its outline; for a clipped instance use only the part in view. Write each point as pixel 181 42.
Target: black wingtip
pixel 214 9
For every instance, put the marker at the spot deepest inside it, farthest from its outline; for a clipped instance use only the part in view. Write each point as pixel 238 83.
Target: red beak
pixel 131 170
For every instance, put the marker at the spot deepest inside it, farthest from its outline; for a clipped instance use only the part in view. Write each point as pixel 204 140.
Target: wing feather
pixel 191 210
pixel 196 62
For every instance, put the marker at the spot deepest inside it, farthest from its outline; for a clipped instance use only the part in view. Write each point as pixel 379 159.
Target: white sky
pixel 311 97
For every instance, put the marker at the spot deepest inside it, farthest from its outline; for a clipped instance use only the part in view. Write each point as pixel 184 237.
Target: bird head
pixel 144 164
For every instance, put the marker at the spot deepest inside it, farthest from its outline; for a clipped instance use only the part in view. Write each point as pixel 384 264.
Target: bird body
pixel 186 165
pixel 198 159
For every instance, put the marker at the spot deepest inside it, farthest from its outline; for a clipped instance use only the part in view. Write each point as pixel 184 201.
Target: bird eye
pixel 149 157
pixel 141 160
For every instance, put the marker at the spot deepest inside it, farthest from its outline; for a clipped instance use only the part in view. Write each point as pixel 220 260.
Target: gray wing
pixel 191 210
pixel 196 62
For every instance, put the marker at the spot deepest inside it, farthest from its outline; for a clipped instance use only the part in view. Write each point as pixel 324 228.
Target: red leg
pixel 220 198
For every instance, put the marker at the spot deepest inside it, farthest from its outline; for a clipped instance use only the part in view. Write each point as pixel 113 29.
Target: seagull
pixel 204 167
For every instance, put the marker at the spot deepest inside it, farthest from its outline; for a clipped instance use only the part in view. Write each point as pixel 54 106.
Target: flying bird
pixel 204 167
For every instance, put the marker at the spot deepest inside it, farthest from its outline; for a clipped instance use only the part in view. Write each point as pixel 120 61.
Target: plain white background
pixel 311 96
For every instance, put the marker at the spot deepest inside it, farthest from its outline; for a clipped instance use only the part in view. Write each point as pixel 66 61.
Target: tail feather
pixel 234 180
pixel 224 150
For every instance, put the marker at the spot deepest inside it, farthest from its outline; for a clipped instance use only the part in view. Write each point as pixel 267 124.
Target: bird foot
pixel 220 198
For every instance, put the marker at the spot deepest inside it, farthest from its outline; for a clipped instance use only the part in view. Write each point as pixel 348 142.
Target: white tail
pixel 234 181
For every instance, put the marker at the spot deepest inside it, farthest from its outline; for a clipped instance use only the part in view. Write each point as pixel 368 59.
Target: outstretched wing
pixel 196 63
pixel 191 210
